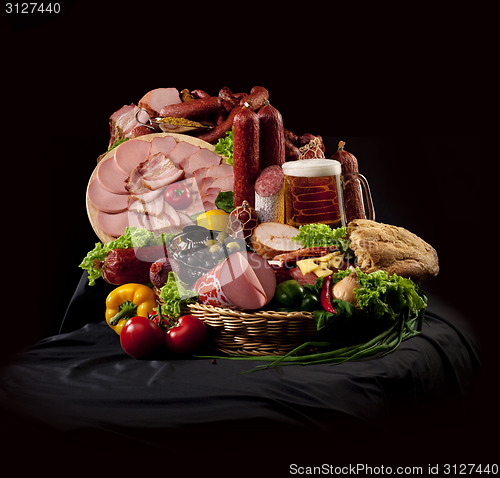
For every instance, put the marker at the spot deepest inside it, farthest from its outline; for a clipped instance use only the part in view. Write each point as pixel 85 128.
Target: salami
pixel 256 99
pixel 353 198
pixel 272 137
pixel 221 129
pixel 195 109
pixel 245 156
pixel 270 194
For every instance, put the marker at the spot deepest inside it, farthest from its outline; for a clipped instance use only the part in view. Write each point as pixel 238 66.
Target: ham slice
pixel 156 172
pixel 222 183
pixel 130 154
pixel 221 170
pixel 204 176
pixel 110 177
pixel 204 158
pixel 181 151
pixel 155 100
pixel 113 224
pixel 104 200
pixel 163 145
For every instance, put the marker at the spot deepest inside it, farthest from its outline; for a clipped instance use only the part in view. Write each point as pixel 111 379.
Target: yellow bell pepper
pixel 127 301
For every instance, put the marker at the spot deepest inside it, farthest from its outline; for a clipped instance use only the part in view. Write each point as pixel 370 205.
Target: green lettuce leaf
pixel 174 296
pixel 321 235
pixel 225 146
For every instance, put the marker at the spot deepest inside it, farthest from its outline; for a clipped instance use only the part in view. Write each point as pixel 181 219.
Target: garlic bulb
pixel 344 289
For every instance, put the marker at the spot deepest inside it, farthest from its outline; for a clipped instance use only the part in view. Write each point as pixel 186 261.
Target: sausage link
pixel 225 94
pixel 292 153
pixel 245 156
pixel 121 266
pixel 199 94
pixel 272 137
pixel 292 137
pixel 195 109
pixel 221 129
pixel 256 99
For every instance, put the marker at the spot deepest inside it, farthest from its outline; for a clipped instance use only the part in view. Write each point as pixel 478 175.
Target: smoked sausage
pixel 121 266
pixel 221 129
pixel 225 94
pixel 292 153
pixel 256 99
pixel 272 137
pixel 245 156
pixel 353 198
pixel 195 109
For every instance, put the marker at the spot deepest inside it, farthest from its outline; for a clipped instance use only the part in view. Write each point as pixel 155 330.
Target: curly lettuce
pixel 133 237
pixel 321 235
pixel 174 296
pixel 379 296
pixel 224 146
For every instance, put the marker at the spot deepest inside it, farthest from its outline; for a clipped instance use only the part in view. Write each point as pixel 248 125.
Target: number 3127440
pixel 32 7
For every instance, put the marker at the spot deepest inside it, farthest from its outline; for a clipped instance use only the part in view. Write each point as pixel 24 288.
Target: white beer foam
pixel 311 168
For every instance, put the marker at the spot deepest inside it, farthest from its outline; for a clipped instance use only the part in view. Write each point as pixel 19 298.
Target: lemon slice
pixel 215 219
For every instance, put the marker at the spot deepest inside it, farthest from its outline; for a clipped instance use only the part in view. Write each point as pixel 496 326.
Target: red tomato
pixel 141 337
pixel 189 333
pixel 178 196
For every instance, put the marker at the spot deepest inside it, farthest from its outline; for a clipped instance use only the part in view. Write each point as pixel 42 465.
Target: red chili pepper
pixel 326 295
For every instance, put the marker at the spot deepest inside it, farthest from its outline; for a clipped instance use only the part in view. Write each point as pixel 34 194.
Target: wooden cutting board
pixel 92 211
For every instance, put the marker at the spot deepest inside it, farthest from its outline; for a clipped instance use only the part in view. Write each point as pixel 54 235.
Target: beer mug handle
pixel 368 203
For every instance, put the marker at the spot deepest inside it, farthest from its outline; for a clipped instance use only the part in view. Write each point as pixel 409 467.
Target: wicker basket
pixel 237 332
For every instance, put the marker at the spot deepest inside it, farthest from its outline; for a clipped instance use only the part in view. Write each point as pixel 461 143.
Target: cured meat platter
pixel 98 214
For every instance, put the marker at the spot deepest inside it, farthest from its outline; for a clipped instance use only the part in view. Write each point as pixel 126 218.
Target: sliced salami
pixel 270 195
pixel 270 181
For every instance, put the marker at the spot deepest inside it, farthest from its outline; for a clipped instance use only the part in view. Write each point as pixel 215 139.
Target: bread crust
pixel 394 249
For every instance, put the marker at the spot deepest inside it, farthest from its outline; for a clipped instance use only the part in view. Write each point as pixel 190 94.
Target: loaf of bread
pixel 393 249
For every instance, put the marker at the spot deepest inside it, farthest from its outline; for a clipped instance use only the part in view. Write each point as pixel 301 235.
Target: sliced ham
pixel 163 145
pixel 209 206
pixel 199 175
pixel 131 153
pixel 220 170
pixel 113 224
pixel 181 151
pixel 147 195
pixel 110 177
pixel 204 176
pixel 156 172
pixel 204 158
pixel 225 183
pixel 134 183
pixel 155 100
pixel 168 176
pixel 210 194
pixel 152 208
pixel 105 200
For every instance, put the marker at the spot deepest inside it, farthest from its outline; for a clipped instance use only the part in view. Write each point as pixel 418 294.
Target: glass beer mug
pixel 314 192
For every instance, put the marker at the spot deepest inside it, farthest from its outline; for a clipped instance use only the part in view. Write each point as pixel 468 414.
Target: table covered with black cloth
pixel 80 383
